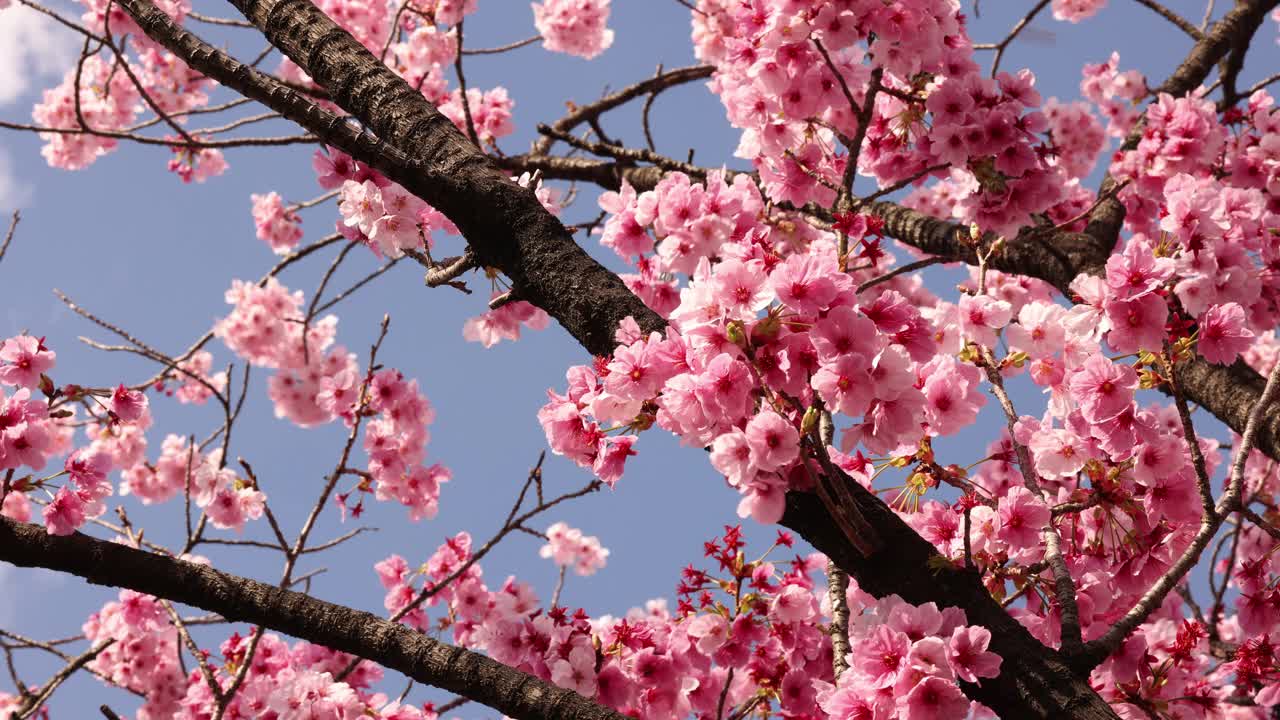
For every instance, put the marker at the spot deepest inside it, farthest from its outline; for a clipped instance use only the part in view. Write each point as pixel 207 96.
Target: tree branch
pixel 398 647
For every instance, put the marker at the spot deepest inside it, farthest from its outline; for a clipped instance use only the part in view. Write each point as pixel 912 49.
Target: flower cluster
pixel 374 210
pixel 490 113
pixel 569 547
pixel 786 73
pixel 143 654
pixel 280 681
pixel 746 635
pixel 1115 93
pixel 266 326
pixel 276 225
pixel 576 27
pixel 197 381
pixel 1076 10
pixel 395 440
pixel 107 101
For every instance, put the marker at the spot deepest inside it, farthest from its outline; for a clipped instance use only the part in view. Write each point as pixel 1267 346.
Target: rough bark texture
pixel 504 223
pixel 461 671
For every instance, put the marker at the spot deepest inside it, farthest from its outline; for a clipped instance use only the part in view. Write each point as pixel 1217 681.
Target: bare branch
pixel 8 236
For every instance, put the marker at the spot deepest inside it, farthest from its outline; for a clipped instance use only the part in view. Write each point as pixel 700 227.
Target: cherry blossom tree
pixel 772 314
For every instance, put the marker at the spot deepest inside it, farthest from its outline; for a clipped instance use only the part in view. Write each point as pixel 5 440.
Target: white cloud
pixel 34 49
pixel 12 193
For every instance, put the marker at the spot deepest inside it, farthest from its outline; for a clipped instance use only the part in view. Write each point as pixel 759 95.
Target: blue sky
pixel 128 240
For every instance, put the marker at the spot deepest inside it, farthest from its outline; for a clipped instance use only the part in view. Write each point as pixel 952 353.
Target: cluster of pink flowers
pixel 317 384
pixel 1115 93
pixel 195 164
pixel 728 377
pixel 290 683
pixel 576 27
pixel 504 323
pixel 265 327
pixel 423 58
pixel 751 617
pixel 170 83
pixel 108 101
pixel 907 662
pixel 32 432
pixel 567 546
pixel 1076 10
pixel 792 107
pixel 1077 135
pixel 374 210
pixel 197 380
pixel 395 441
pixel 490 113
pixel 25 359
pixel 278 226
pixel 143 654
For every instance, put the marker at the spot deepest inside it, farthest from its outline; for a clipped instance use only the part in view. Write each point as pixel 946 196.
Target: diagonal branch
pixel 398 647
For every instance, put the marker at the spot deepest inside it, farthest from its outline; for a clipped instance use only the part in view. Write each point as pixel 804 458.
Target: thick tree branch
pixel 413 144
pixel 398 647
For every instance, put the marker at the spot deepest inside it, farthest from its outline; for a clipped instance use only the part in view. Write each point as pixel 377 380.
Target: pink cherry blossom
pixel 1104 389
pixel 26 359
pixel 576 27
pixel 1223 333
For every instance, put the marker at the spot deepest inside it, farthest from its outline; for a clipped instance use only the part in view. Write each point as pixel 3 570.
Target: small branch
pixel 1173 17
pixel 61 677
pixel 1018 27
pixel 901 270
pixel 1189 435
pixel 241 599
pixel 589 111
pixel 8 236
pixel 501 48
pixel 462 91
pixel 447 271
pixel 228 22
pixel 1064 585
pixel 1262 523
pixel 555 595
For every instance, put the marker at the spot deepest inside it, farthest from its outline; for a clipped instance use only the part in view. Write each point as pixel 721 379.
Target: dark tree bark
pixel 392 645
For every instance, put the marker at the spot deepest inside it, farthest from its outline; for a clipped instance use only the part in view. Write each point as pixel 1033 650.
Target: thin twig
pixel 61 677
pixel 1173 17
pixel 462 91
pixel 902 269
pixel 501 48
pixel 8 236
